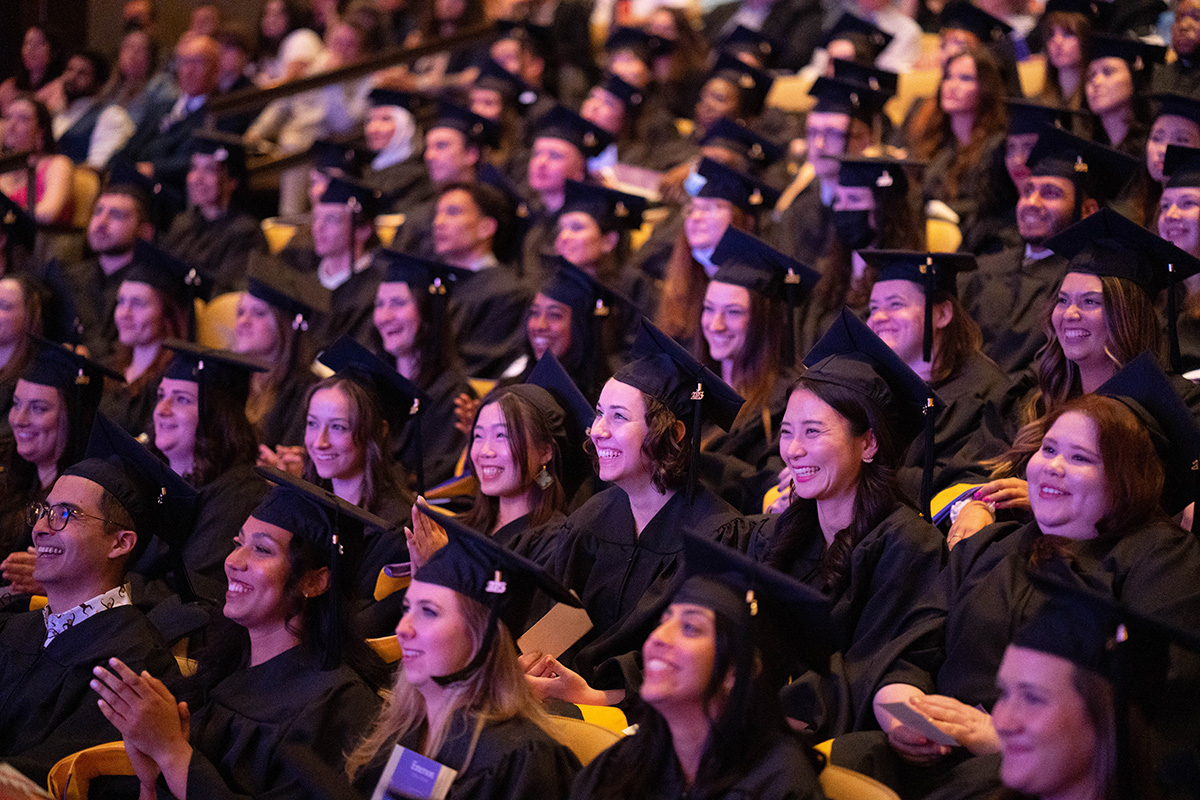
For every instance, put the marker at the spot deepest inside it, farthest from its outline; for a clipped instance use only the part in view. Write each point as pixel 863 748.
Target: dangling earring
pixel 543 479
pixel 868 459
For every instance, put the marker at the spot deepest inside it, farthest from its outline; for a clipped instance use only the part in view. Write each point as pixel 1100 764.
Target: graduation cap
pixel 505 583
pixel 753 84
pixel 561 122
pixel 883 81
pixel 75 375
pixel 390 97
pixel 400 400
pixel 933 272
pixel 361 199
pixel 160 502
pixel 612 210
pixel 479 131
pixel 1181 166
pixel 1109 245
pixel 1108 637
pixel 1026 117
pixel 420 274
pixel 592 305
pixel 1085 7
pixel 853 25
pixel 298 295
pixel 663 369
pixel 737 138
pixel 714 179
pixel 837 96
pixel 1100 172
pixel 512 87
pixel 880 172
pixel 850 355
pixel 749 262
pixel 214 370
pixel 789 621
pixel 1145 389
pixel 627 93
pixel 1177 105
pixel 16 222
pixel 538 38
pixel 162 200
pixel 1135 52
pixel 335 526
pixel 743 40
pixel 549 374
pixel 330 155
pixel 645 46
pixel 226 153
pixel 961 15
pixel 170 275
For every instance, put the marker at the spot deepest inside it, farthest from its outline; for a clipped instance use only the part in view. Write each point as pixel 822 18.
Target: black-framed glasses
pixel 57 516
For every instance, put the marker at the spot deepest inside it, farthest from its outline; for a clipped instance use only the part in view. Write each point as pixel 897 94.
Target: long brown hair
pixel 684 284
pixel 932 127
pixel 960 339
pixel 265 386
pixel 1132 326
pixel 1080 27
pixel 757 366
pixel 496 691
pixel 528 434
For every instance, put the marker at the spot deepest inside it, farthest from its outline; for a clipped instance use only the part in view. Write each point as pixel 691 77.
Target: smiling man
pixel 86 535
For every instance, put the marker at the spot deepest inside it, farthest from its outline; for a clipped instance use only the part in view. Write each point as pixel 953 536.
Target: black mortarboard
pixel 549 374
pixel 880 172
pixel 160 502
pixel 421 274
pixel 836 96
pixel 1135 52
pixel 1107 244
pixel 886 82
pixel 215 370
pixel 328 154
pixel 1101 172
pixel 297 294
pixel 645 45
pixel 850 355
pixel 627 93
pixel 73 374
pixel 1026 117
pixel 1177 105
pixel 229 154
pixel 850 24
pixel 399 399
pixel 16 222
pixel 479 131
pixel 512 87
pixel 390 97
pixel 477 567
pixel 612 210
pixel 789 620
pixel 961 15
pixel 1085 7
pixel 162 199
pixel 334 525
pixel 173 277
pixel 714 179
pixel 743 40
pixel 572 286
pixel 561 122
pixel 1144 388
pixel 753 84
pixel 538 38
pixel 663 369
pixel 747 261
pixel 358 197
pixel 737 138
pixel 1181 166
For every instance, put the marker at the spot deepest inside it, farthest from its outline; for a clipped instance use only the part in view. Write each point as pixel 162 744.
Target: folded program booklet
pixel 15 786
pixel 412 776
pixel 562 627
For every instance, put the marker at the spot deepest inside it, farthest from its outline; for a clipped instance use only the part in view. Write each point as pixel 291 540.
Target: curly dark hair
pixel 668 456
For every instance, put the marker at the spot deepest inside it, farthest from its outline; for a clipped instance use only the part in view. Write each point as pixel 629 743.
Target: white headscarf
pixel 400 146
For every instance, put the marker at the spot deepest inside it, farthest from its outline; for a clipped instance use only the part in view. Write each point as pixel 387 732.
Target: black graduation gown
pixel 967 431
pixel 134 411
pixel 403 184
pixel 487 311
pixel 1009 298
pixel 514 759
pixel 780 772
pixel 985 196
pixel 522 537
pixel 380 548
pixel 94 298
pixel 285 422
pixel 416 234
pixel 219 248
pixel 441 442
pixel 805 228
pixel 626 580
pixel 889 569
pixel 47 709
pixel 351 310
pixel 279 729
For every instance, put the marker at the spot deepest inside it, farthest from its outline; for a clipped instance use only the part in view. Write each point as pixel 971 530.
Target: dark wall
pixel 68 19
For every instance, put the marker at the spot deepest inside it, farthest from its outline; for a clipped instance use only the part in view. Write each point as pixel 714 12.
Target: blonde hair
pixel 496 691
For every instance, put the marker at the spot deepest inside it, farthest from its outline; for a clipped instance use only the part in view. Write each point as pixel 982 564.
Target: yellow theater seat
pixel 70 778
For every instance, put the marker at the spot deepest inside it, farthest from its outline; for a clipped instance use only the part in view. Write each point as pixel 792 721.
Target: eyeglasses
pixel 57 516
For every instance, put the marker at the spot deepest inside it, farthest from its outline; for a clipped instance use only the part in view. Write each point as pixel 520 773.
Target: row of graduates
pixel 903 622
